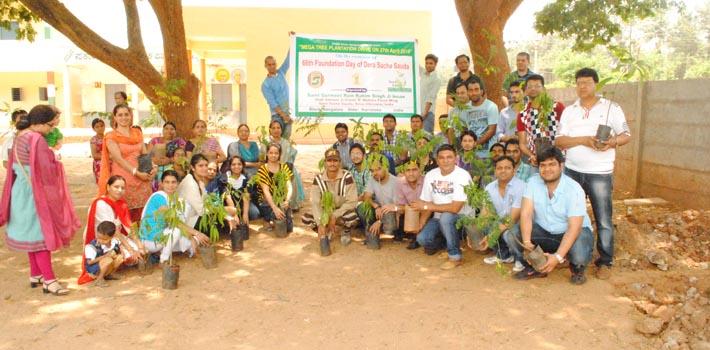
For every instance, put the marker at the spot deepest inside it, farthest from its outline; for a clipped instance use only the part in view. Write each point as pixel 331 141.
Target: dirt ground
pixel 279 293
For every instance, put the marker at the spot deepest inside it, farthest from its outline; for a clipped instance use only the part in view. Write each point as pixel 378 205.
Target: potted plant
pixel 172 215
pixel 240 233
pixel 213 217
pixel 280 192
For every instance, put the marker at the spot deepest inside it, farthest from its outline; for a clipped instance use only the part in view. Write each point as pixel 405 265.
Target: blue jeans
pixel 268 215
pixel 446 224
pixel 285 128
pixel 598 188
pixel 253 211
pixel 579 255
pixel 429 122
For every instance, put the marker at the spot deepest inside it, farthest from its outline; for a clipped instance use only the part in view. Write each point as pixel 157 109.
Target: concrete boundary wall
pixel 669 155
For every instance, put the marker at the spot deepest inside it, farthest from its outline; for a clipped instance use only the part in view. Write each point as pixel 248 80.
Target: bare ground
pixel 279 293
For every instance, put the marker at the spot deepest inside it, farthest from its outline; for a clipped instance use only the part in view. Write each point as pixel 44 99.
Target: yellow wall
pixel 30 82
pixel 265 32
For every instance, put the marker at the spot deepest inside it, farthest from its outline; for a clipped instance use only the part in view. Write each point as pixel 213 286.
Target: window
pixel 16 94
pixel 9 34
pixel 43 94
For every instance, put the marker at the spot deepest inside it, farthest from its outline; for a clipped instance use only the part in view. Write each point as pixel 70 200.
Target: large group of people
pixel 537 162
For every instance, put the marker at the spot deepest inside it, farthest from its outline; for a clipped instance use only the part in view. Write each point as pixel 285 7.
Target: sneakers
pixel 324 246
pixel 492 260
pixel 603 272
pixel 578 277
pixel 528 273
pixel 518 266
pixel 450 264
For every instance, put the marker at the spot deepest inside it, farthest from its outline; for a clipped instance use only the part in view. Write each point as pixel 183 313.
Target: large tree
pixel 131 61
pixel 588 22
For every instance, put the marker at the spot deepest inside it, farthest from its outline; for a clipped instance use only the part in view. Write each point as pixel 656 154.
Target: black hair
pixel 231 159
pixel 587 72
pixel 511 142
pixel 497 144
pixel 469 133
pixel 523 53
pixel 96 121
pixel 341 125
pixel 414 116
pixel 171 124
pixel 39 114
pixel 196 158
pixel 240 126
pixel 516 83
pixel 271 123
pixel 376 133
pixel 536 77
pixel 17 114
pixel 445 148
pixel 476 81
pixel 107 228
pixel 549 153
pixel 508 158
pixel 432 57
pixel 460 85
pixel 456 60
pixel 114 178
pixel 169 172
pixel 358 146
pixel 443 116
pixel 389 115
pixel 122 93
pixel 119 106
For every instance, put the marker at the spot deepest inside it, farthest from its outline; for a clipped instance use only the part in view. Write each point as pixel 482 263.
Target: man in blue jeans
pixel 275 91
pixel 553 215
pixel 590 161
pixel 444 197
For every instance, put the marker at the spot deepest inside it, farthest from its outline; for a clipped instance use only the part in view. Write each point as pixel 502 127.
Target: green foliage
pixel 310 124
pixel 359 129
pixel 13 11
pixel 327 203
pixel 485 64
pixel 592 23
pixel 374 128
pixel 213 216
pixel 238 195
pixel 172 216
pixel 168 95
pixel 377 160
pixel 280 191
pixel 106 116
pixel 545 104
pixel 479 167
pixel 487 220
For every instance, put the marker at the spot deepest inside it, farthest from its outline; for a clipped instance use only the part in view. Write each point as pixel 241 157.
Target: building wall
pixel 29 82
pixel 669 155
pixel 265 32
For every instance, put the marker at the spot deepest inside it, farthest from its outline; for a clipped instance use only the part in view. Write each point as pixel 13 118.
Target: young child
pixel 103 254
pixel 96 144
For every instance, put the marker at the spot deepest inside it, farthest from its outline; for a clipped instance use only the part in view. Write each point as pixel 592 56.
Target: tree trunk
pixel 133 61
pixel 483 22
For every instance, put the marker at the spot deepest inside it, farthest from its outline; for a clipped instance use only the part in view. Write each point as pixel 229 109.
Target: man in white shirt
pixel 443 196
pixel 429 85
pixel 590 161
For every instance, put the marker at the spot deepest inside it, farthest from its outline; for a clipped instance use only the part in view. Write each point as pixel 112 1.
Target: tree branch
pixel 133 63
pixel 133 26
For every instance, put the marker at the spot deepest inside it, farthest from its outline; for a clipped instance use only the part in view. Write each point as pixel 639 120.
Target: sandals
pixel 54 288
pixel 36 281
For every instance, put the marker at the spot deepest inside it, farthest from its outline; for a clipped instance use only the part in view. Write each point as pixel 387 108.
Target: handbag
pixel 145 163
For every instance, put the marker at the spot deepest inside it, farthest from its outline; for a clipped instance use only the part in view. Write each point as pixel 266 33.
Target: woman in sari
pixel 112 207
pixel 203 144
pixel 154 227
pixel 120 155
pixel 247 150
pixel 36 205
pixel 163 149
pixel 288 156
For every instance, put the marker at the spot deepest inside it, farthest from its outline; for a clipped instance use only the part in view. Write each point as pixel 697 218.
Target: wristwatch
pixel 559 258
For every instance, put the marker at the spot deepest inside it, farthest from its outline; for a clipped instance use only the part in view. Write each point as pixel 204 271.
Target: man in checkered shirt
pixel 529 125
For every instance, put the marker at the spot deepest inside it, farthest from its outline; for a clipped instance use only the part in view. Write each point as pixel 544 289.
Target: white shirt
pixel 440 189
pixel 189 190
pixel 90 251
pixel 578 121
pixel 429 86
pixel 6 146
